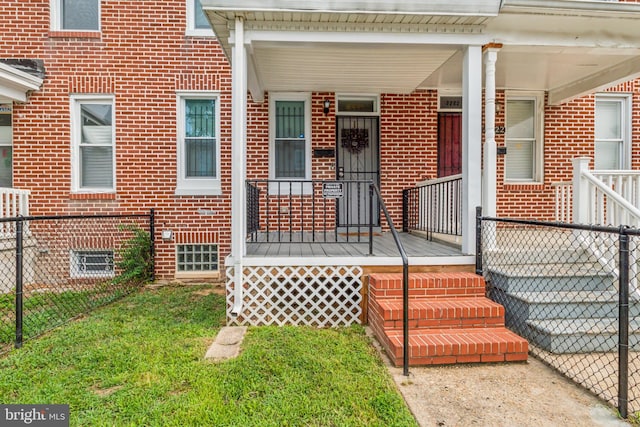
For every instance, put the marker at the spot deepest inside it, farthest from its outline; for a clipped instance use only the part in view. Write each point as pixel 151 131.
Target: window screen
pixel 290 142
pixel 200 138
pixel 520 140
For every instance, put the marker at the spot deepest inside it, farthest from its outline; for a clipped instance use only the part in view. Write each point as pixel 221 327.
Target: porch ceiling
pixel 567 48
pixel 350 68
pixel 564 72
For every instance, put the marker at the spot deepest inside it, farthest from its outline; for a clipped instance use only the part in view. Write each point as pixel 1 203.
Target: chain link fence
pixel 53 269
pixel 573 292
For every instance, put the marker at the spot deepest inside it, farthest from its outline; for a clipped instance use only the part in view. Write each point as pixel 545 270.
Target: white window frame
pixel 274 188
pixel 538 155
pixel 196 186
pixel 191 23
pixel 55 6
pixel 625 126
pixel 74 263
pixel 76 138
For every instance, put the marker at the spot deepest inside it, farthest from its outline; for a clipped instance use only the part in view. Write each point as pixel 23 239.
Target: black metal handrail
pixel 434 207
pixel 405 274
pixel 308 211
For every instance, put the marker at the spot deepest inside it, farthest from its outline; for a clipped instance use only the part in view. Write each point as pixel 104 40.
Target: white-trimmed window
pixel 197 23
pixel 6 146
pixel 524 137
pixel 93 143
pixel 290 141
pixel 91 263
pixel 198 144
pixel 613 132
pixel 75 15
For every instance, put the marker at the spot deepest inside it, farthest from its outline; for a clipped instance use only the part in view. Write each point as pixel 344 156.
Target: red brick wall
pixel 569 132
pixel 142 57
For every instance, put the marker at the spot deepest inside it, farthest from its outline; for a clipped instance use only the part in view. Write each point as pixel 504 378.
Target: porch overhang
pixel 564 47
pixel 348 46
pixel 16 84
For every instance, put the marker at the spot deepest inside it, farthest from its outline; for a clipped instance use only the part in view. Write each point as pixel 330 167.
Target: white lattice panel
pixel 322 296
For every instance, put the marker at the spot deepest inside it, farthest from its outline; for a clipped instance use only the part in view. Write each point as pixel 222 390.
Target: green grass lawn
pixel 139 362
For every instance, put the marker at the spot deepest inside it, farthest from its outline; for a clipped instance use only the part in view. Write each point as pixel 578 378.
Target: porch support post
pixel 580 191
pixel 471 144
pixel 490 163
pixel 238 159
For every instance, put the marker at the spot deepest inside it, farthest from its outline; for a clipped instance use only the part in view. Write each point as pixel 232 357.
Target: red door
pixel 449 144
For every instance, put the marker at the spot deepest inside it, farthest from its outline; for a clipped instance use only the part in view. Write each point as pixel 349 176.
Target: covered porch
pixel 320 54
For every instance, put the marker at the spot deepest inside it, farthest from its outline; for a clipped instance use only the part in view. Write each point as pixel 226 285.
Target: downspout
pixel 238 161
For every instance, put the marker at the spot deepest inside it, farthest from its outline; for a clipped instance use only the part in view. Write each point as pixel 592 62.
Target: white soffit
pixel 346 68
pixel 14 84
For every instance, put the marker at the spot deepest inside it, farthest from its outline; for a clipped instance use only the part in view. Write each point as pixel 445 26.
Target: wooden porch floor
pixel 383 246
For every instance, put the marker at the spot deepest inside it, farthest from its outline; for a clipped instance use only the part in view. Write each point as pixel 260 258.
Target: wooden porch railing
pixel 13 203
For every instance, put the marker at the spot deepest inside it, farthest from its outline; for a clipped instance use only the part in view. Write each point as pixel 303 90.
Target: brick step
pixel 433 285
pixel 439 313
pixel 448 346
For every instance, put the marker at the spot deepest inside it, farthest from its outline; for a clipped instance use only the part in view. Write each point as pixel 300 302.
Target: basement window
pixel 91 263
pixel 197 258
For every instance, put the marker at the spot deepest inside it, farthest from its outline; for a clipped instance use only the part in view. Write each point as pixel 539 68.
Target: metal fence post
pixel 623 327
pixel 152 249
pixel 371 219
pixel 405 211
pixel 19 299
pixel 479 240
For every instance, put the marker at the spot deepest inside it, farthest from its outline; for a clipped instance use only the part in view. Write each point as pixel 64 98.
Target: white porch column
pixel 238 158
pixel 580 191
pixel 471 144
pixel 490 163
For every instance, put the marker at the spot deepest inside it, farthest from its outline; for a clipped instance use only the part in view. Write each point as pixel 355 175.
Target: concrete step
pixel 521 306
pixel 448 346
pixel 550 277
pixel 440 313
pixel 583 335
pixel 433 285
pixel 527 256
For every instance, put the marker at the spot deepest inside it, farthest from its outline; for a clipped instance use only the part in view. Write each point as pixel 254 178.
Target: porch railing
pixel 563 197
pixel 309 211
pixel 13 203
pixel 434 207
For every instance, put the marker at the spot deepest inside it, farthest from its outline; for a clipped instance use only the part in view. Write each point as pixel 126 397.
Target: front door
pixel 449 144
pixel 357 162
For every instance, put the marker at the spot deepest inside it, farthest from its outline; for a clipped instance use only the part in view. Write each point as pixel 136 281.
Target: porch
pixel 351 245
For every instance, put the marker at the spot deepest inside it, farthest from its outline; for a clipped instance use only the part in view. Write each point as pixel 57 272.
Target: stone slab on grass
pixel 227 343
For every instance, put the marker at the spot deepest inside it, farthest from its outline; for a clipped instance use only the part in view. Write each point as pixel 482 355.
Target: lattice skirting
pixel 322 296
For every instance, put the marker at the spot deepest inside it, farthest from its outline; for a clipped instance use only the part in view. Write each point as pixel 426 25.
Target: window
pixel 91 263
pixel 524 130
pixel 197 257
pixel 93 139
pixel 612 150
pixel 197 23
pixel 357 105
pixel 198 144
pixel 291 140
pixel 6 146
pixel 75 15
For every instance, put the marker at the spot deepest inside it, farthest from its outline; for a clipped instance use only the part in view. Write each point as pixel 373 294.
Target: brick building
pixel 119 107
